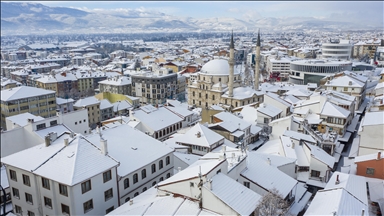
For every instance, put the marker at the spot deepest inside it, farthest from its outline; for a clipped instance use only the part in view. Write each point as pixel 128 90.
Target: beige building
pixel 92 104
pixel 24 99
pixel 218 84
pixel 116 85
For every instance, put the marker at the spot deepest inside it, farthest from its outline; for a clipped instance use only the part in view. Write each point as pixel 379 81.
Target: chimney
pixel 350 83
pixel 269 161
pixel 71 135
pixel 131 202
pixel 198 135
pixel 47 140
pixel 98 129
pixel 178 169
pixel 53 136
pixel 362 212
pixel 224 148
pixel 66 142
pixel 210 185
pixel 379 155
pixel 337 180
pixel 104 147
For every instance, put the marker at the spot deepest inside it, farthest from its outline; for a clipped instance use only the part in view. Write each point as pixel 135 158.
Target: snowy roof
pixel 231 122
pixel 277 98
pixel 271 176
pixel 117 81
pixel 373 118
pixel 330 109
pixel 298 136
pixel 132 148
pixel 321 155
pixel 242 93
pixel 249 114
pixel 22 119
pixel 269 110
pixel 345 81
pixel 157 119
pixel 180 111
pixel 121 105
pixel 86 102
pixel 47 79
pixel 368 157
pixel 69 165
pixel 23 92
pixel 238 197
pixel 206 139
pixel 60 101
pixel 104 104
pixel 216 67
pixel 186 158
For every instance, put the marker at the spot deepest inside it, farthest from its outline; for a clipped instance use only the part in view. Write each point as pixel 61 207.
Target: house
pixel 159 123
pixel 64 105
pixel 267 113
pixel 370 165
pixel 276 101
pixel 371 133
pixel 93 106
pixel 106 110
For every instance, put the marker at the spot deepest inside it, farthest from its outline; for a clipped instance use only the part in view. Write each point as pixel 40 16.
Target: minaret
pixel 257 60
pixel 231 62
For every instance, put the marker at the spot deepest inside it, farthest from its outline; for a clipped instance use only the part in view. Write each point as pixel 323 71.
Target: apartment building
pixel 117 85
pixel 27 99
pixel 93 107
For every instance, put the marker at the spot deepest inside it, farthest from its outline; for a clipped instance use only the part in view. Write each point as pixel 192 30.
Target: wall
pixel 289 169
pixel 371 139
pixel 72 121
pixel 378 165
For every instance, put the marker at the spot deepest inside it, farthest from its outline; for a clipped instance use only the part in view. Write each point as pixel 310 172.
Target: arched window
pixel 127 199
pixel 154 183
pixel 160 164
pixel 161 179
pixel 135 178
pixel 143 174
pixel 153 167
pixel 144 189
pixel 168 175
pixel 167 160
pixel 126 183
pixel 136 194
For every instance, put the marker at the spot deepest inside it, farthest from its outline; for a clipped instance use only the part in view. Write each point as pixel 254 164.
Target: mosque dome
pixel 216 67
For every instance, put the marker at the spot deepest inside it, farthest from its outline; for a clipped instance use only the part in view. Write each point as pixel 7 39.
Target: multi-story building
pixel 311 71
pixel 47 82
pixel 78 60
pixel 278 67
pixel 64 105
pixel 341 49
pixel 366 48
pixel 93 107
pixel 106 110
pixel 117 85
pixel 8 83
pixel 27 99
pixel 44 68
pixel 154 87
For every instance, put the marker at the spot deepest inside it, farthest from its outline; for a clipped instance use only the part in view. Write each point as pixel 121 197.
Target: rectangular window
pixel 315 173
pixel 45 183
pixel 26 180
pixel 12 174
pixel 88 206
pixel 108 194
pixel 52 123
pixel 48 202
pixel 65 209
pixel 86 186
pixel 40 126
pixel 15 193
pixel 370 171
pixel 31 213
pixel 18 209
pixel 63 190
pixel 109 209
pixel 107 176
pixel 28 198
pixel 246 184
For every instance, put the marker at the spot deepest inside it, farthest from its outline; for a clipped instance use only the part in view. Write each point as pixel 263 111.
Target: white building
pixel 340 50
pixel 371 133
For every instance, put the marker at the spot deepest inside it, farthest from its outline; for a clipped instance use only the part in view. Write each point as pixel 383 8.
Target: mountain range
pixel 35 18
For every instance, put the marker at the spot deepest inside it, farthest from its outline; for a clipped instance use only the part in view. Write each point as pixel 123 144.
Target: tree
pixel 272 204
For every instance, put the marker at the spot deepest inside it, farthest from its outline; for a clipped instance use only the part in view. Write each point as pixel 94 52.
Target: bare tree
pixel 272 204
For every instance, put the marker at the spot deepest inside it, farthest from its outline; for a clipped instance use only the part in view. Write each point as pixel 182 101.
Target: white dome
pixel 216 67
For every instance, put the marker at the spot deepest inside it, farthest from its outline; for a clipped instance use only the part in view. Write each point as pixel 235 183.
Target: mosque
pixel 218 84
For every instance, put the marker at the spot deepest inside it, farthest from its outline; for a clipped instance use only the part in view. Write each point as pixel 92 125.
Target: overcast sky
pixel 363 11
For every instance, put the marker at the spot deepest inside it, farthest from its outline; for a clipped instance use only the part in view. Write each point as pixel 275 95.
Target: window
pixel 160 164
pixel 40 126
pixel 65 209
pixel 370 171
pixel 154 183
pixel 48 202
pixel 333 88
pixel 143 174
pixel 12 173
pixel 127 199
pixel 167 160
pixel 191 184
pixel 153 167
pixel 109 209
pixel 161 179
pixel 15 193
pixel 168 175
pixel 26 180
pixel 28 198
pixel 136 194
pixel 345 88
pixel 52 123
pixel 135 178
pixel 315 173
pixel 266 120
pixel 144 189
pixel 86 186
pixel 88 206
pixel 63 190
pixel 246 184
pixel 45 183
pixel 126 183
pixel 108 194
pixel 107 176
pixel 218 171
pixel 18 209
pixel 30 213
